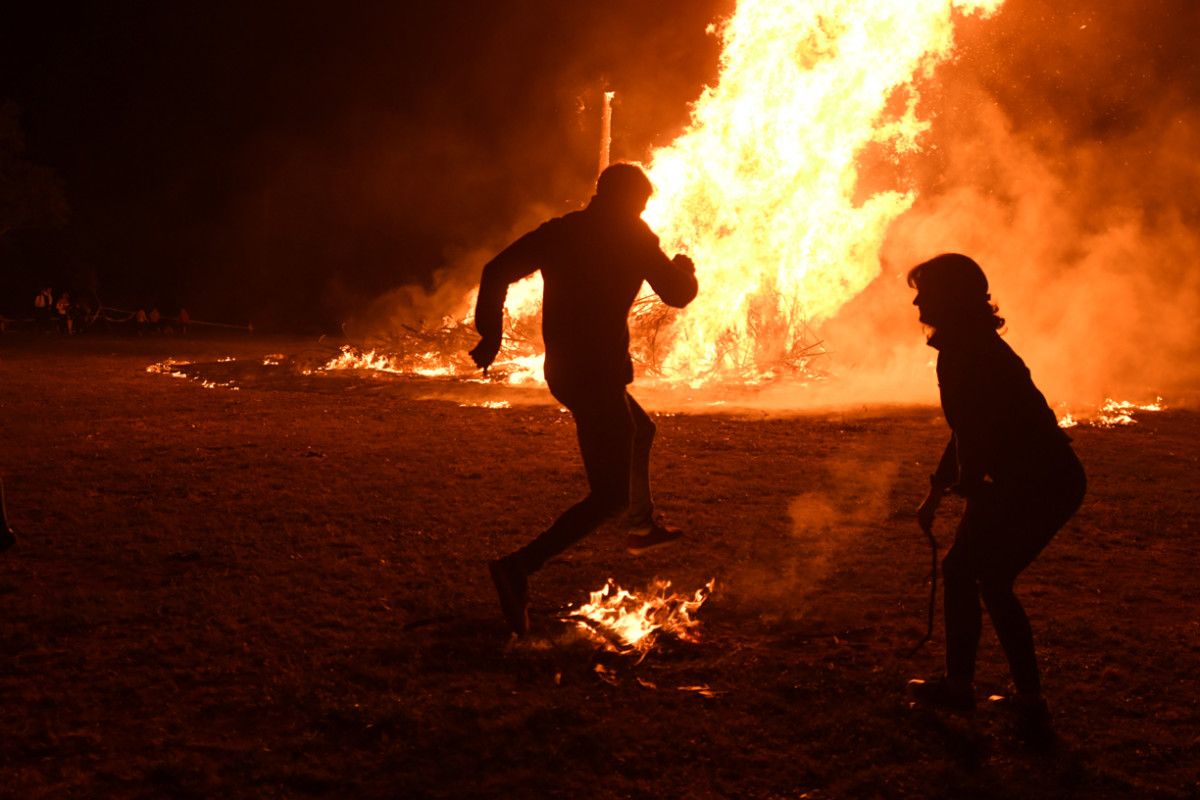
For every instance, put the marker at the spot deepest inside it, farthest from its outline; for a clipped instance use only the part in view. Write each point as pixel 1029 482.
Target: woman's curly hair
pixel 960 282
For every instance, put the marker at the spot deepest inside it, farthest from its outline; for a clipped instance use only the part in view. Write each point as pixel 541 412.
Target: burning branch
pixel 628 622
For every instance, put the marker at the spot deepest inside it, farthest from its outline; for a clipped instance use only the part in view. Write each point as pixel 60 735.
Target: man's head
pixel 624 187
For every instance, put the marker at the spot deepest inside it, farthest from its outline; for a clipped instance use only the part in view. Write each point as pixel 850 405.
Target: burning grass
pixel 282 592
pixel 1112 413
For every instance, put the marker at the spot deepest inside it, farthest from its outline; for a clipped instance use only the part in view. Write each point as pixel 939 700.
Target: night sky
pixel 287 163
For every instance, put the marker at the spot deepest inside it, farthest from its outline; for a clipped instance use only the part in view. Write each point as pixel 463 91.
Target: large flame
pixel 761 190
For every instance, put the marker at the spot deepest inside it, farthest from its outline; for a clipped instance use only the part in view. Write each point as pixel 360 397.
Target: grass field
pixel 281 591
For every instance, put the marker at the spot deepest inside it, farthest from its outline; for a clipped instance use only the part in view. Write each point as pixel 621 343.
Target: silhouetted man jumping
pixel 593 263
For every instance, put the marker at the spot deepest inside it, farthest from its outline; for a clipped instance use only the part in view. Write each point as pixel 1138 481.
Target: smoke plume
pixel 1062 158
pixel 839 508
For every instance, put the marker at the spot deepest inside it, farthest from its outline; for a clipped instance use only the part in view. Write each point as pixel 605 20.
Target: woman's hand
pixel 928 508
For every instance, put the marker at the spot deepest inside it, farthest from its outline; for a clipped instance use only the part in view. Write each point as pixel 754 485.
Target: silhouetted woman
pixel 1015 467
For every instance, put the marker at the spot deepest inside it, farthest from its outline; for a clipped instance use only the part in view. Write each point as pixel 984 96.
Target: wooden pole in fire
pixel 606 131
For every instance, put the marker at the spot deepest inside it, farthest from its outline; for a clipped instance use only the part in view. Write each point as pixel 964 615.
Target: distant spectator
pixel 83 312
pixel 43 306
pixel 139 320
pixel 63 309
pixel 184 319
pixel 155 320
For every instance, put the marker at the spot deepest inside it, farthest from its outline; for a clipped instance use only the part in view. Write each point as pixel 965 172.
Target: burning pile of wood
pixel 630 622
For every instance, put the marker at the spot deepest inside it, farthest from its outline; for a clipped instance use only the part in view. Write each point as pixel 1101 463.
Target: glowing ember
pixel 487 404
pixel 1113 413
pixel 630 622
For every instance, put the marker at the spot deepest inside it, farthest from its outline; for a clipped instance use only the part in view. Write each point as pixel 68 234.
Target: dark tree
pixel 30 194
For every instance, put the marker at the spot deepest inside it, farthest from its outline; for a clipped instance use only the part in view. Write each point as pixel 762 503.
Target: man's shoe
pixel 651 537
pixel 939 693
pixel 512 586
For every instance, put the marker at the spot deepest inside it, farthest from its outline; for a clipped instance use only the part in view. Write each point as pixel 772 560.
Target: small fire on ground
pixel 434 364
pixel 630 622
pixel 1112 413
pixel 171 366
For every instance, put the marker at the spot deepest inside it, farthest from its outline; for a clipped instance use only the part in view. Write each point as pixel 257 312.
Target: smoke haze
pixel 841 507
pixel 1063 160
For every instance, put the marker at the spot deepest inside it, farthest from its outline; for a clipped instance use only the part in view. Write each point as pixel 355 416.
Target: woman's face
pixel 932 307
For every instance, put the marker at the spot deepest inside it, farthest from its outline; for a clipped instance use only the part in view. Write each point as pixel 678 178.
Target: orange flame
pixel 1112 413
pixel 761 190
pixel 630 622
pixel 171 366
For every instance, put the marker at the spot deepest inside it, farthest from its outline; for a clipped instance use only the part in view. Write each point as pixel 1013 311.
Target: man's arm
pixel 513 263
pixel 673 280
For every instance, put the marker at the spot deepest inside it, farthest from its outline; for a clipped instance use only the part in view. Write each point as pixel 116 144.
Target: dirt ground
pixel 280 590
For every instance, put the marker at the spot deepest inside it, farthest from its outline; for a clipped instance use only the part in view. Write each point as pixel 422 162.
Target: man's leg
pixel 646 532
pixel 605 432
pixel 641 505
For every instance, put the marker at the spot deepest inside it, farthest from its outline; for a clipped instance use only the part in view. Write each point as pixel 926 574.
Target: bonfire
pixel 762 190
pixel 630 622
